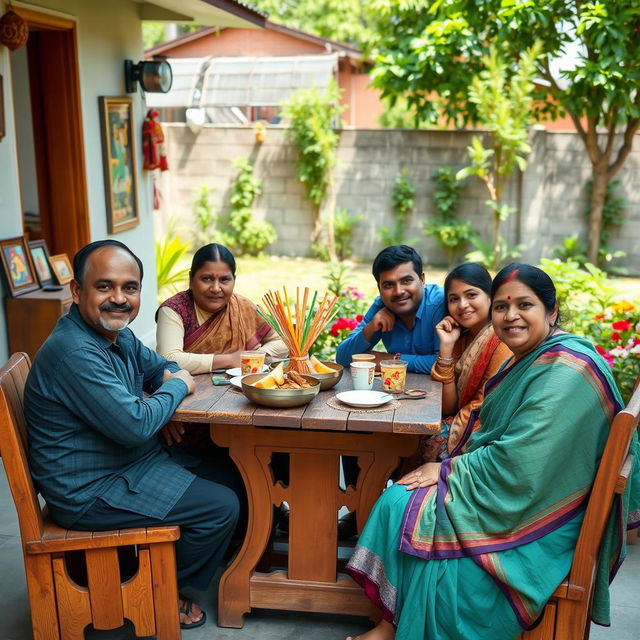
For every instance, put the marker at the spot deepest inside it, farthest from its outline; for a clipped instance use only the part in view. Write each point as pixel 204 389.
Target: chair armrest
pixel 621 482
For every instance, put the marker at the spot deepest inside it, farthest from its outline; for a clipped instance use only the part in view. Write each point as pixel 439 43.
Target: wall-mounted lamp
pixel 154 76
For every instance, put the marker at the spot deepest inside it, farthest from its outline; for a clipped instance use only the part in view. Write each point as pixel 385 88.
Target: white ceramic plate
pixel 236 381
pixel 364 398
pixel 237 371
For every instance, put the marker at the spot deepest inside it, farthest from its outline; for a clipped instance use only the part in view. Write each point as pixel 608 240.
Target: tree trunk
pixel 317 224
pixel 496 237
pixel 600 179
pixel 330 206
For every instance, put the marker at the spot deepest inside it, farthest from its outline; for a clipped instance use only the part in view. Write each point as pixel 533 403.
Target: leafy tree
pixel 428 49
pixel 342 20
pixel 503 101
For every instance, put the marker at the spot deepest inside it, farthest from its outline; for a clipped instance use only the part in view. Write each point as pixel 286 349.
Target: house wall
pixel 108 33
pixel 244 42
pixel 549 195
pixel 362 103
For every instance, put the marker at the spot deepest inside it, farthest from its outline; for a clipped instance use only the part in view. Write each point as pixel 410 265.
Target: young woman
pixel 470 354
pixel 473 547
pixel 207 326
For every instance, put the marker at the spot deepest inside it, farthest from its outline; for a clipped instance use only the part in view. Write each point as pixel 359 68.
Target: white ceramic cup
pixel 362 374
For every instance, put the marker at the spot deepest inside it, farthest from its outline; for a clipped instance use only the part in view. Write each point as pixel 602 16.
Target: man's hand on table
pixel 172 432
pixel 424 476
pixel 183 375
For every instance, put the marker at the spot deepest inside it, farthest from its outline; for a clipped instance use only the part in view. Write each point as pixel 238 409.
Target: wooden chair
pixel 61 608
pixel 567 615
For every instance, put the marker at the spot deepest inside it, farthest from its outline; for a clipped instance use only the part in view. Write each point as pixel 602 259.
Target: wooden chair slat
pixel 74 609
pixel 137 598
pixel 103 575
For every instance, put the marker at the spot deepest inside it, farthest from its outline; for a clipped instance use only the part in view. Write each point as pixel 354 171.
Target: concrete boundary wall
pixel 549 195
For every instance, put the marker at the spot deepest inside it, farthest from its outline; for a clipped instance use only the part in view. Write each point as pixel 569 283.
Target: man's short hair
pixel 80 259
pixel 394 255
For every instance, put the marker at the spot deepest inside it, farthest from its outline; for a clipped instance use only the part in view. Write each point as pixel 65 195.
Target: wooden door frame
pixel 60 155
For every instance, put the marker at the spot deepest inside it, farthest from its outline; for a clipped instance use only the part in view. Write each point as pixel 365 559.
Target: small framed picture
pixel 40 258
pixel 18 267
pixel 61 268
pixel 119 160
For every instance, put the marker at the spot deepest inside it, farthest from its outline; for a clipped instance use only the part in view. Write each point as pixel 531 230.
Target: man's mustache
pixel 404 296
pixel 116 307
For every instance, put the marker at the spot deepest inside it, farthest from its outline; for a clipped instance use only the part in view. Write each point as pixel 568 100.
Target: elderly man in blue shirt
pixel 93 447
pixel 403 316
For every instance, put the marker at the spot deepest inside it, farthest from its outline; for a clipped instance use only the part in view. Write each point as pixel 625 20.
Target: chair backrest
pixel 610 480
pixel 14 446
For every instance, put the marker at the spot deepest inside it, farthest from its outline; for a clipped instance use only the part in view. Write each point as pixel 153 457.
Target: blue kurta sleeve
pixel 153 365
pixel 103 396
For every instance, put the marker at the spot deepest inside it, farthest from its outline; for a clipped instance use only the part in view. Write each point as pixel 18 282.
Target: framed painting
pixel 40 258
pixel 18 267
pixel 119 159
pixel 61 268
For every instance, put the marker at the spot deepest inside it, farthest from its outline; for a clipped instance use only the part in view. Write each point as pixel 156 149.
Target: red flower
pixel 341 324
pixel 600 350
pixel 621 325
pixel 599 317
pixel 615 336
pixel 359 318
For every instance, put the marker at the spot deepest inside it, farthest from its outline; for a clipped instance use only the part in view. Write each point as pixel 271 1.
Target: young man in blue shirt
pixel 403 316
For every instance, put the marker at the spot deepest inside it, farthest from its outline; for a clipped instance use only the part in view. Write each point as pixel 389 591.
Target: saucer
pixel 364 398
pixel 236 381
pixel 237 371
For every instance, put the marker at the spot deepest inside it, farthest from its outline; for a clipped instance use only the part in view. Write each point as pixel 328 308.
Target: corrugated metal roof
pixel 243 81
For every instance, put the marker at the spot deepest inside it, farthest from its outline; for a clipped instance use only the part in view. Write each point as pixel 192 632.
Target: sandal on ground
pixel 186 609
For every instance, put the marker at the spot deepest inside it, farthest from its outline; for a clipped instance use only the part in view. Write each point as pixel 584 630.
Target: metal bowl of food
pixel 329 379
pixel 279 397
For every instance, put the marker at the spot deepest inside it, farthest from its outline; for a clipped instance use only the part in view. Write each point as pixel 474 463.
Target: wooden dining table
pixel 314 436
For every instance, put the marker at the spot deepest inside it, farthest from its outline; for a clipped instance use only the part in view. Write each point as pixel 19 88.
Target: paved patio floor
pixel 264 625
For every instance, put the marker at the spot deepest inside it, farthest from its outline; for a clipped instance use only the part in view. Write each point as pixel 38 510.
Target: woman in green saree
pixel 473 547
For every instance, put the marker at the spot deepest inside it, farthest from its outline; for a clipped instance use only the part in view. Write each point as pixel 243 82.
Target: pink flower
pixel 609 358
pixel 621 325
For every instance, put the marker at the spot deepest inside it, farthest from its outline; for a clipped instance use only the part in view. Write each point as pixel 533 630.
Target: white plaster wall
pixel 10 218
pixel 108 33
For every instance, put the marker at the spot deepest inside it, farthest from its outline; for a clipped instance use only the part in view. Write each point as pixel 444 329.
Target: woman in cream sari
pixel 207 326
pixel 470 354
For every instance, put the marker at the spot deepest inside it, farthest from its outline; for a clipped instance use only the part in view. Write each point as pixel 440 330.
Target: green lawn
pixel 256 276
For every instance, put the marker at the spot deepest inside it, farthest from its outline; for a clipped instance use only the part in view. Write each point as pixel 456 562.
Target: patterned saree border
pixel 521 606
pixel 458 545
pixel 367 569
pixel 585 365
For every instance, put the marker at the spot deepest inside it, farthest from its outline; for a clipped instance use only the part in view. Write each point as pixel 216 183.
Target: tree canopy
pixel 342 20
pixel 427 51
